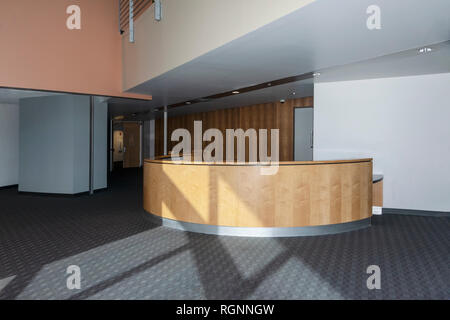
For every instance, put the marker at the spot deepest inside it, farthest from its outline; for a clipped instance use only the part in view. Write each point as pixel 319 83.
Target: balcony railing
pixel 139 6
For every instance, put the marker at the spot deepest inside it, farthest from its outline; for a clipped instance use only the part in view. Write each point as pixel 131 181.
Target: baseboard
pixel 12 186
pixel 260 232
pixel 60 195
pixel 52 195
pixel 411 212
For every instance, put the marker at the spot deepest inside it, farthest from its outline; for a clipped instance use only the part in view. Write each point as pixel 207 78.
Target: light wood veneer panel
pixel 378 194
pixel 302 194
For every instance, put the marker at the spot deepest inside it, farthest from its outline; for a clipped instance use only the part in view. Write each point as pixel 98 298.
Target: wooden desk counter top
pixel 167 160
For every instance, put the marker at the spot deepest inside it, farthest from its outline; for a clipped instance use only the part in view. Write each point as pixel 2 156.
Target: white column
pixel 165 130
pixel 152 139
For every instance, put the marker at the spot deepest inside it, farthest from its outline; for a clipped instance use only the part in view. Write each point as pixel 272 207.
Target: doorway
pixel 118 148
pixel 127 142
pixel 132 144
pixel 303 134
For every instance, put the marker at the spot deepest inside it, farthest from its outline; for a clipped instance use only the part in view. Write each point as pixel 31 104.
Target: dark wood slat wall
pixel 274 115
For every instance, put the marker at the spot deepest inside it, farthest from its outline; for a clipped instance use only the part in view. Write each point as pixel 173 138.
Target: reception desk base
pixel 259 231
pixel 302 198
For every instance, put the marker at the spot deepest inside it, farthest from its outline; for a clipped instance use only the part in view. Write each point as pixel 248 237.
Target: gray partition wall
pixel 9 144
pixel 54 144
pixel 100 143
pixel 303 134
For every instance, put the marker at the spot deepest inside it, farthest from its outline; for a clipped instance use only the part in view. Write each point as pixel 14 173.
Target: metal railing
pixel 139 6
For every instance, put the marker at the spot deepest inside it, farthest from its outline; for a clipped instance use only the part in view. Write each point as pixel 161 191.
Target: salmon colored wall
pixel 37 50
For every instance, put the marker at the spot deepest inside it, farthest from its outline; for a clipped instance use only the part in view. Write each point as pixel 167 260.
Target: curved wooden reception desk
pixel 302 198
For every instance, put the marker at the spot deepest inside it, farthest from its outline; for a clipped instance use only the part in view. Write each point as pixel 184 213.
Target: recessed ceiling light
pixel 188 102
pixel 235 92
pixel 425 50
pixel 316 74
pixel 269 84
pixel 293 93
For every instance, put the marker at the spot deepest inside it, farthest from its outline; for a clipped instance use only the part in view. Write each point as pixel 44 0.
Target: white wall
pixel 9 144
pixel 403 123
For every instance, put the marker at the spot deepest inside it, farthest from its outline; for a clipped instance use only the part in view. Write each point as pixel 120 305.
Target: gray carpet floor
pixel 123 256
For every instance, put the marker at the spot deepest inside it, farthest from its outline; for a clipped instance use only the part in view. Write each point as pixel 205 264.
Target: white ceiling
pixel 119 107
pixel 405 63
pixel 12 96
pixel 304 88
pixel 321 35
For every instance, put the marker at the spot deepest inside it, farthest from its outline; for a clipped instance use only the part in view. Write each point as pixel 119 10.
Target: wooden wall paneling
pixel 268 116
pixel 158 137
pixel 132 144
pixel 285 124
pixel 171 126
pixel 245 122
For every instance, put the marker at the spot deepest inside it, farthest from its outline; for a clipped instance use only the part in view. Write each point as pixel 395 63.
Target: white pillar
pixel 165 130
pixel 152 139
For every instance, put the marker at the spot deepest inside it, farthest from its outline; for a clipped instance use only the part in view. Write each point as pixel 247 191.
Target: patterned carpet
pixel 123 256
